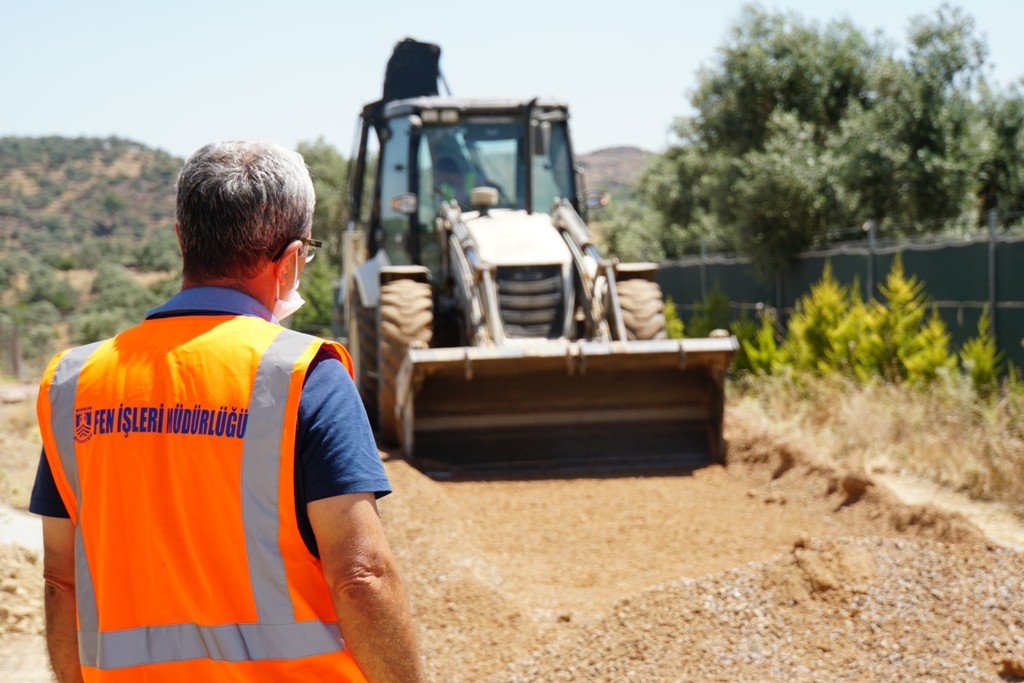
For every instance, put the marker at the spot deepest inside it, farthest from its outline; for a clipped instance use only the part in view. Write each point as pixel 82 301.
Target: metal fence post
pixel 778 295
pixel 993 243
pixel 871 226
pixel 703 271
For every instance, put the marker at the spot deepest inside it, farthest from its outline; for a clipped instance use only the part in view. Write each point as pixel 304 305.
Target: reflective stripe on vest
pixel 62 421
pixel 277 635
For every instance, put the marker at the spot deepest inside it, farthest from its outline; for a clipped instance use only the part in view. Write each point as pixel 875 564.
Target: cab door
pixel 394 183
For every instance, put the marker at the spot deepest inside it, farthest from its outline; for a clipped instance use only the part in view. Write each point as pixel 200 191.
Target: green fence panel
pixel 950 272
pixel 1010 271
pixel 1010 333
pixel 681 281
pixel 956 278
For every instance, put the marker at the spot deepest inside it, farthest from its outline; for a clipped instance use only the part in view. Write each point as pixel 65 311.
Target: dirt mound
pixel 839 609
pixel 787 471
pixel 456 592
pixel 497 569
pixel 21 588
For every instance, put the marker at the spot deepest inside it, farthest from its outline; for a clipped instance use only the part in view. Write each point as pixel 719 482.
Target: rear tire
pixel 365 350
pixel 643 310
pixel 406 318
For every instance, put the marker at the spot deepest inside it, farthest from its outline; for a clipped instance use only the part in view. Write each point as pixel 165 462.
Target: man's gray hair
pixel 239 204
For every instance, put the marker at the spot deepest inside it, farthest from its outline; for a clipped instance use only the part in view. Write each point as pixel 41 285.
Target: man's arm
pixel 59 598
pixel 365 587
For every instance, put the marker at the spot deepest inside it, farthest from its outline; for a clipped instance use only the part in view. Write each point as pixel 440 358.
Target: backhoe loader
pixel 489 334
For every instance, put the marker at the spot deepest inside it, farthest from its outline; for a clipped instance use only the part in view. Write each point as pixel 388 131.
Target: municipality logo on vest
pixel 83 424
pixel 224 422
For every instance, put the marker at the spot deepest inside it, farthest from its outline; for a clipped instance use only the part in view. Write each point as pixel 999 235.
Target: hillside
pixel 60 198
pixel 86 242
pixel 80 202
pixel 613 169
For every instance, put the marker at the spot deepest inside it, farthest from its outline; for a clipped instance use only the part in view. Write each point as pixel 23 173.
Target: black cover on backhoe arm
pixel 412 71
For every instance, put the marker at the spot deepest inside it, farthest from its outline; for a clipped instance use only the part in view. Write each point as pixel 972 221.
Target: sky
pixel 177 75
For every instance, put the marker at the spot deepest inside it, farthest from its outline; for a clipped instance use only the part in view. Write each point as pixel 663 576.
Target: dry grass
pixel 943 432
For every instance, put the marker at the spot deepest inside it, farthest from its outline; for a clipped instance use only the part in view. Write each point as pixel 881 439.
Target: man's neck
pixel 255 287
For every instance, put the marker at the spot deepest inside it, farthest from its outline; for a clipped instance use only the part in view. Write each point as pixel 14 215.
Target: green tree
pixel 159 252
pixel 634 232
pixel 801 132
pixel 1000 147
pixel 115 290
pixel 45 285
pixel 329 172
pixel 930 109
pixel 317 288
pixel 784 199
pixel 113 203
pixel 96 325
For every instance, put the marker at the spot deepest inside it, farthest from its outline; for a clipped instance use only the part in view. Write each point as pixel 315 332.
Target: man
pixel 452 183
pixel 209 478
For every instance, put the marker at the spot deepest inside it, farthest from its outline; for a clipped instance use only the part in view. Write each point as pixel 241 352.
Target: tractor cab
pixel 435 151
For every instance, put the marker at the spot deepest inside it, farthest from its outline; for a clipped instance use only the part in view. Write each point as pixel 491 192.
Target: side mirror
pixel 597 198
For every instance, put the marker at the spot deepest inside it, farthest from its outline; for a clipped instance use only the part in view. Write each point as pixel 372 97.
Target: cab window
pixel 394 181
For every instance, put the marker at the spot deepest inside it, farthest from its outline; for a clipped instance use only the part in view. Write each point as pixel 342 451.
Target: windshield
pixel 491 151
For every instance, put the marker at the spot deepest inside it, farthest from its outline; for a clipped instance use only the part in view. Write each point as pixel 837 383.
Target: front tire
pixel 365 352
pixel 643 310
pixel 406 318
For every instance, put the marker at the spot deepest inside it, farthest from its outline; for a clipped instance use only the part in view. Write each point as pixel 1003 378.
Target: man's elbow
pixel 365 583
pixel 58 584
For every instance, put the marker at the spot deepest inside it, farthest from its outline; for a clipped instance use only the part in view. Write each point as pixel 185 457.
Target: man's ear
pixel 177 233
pixel 284 267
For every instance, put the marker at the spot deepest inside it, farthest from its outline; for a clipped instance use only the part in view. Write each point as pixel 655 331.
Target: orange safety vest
pixel 172 446
pixel 450 192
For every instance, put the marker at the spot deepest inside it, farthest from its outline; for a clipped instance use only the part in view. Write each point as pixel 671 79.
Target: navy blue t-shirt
pixel 335 452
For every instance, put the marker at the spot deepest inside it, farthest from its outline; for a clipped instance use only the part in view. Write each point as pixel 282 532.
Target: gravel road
pixel 777 567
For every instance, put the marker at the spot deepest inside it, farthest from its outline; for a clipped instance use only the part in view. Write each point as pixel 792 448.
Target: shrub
pixel 744 329
pixel 45 285
pixel 811 339
pixel 97 325
pixel 893 336
pixel 115 288
pixel 980 357
pixel 714 314
pixel 851 335
pixel 763 353
pixel 673 323
pixel 930 352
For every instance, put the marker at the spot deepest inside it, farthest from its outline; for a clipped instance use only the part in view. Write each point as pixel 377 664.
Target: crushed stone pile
pixel 850 609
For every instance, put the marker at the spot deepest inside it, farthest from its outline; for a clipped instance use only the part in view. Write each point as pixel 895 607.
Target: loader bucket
pixel 564 408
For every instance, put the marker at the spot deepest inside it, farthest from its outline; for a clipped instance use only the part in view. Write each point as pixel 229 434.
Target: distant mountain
pixel 614 168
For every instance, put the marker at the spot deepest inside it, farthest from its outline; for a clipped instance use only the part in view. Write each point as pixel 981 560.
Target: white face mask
pixel 292 301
